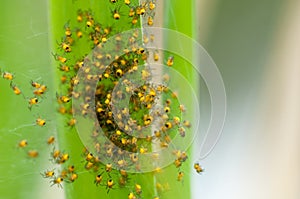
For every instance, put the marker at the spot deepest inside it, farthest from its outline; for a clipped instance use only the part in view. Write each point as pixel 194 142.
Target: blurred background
pixel 255 44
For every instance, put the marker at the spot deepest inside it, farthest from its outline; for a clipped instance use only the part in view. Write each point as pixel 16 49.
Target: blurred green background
pixel 255 46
